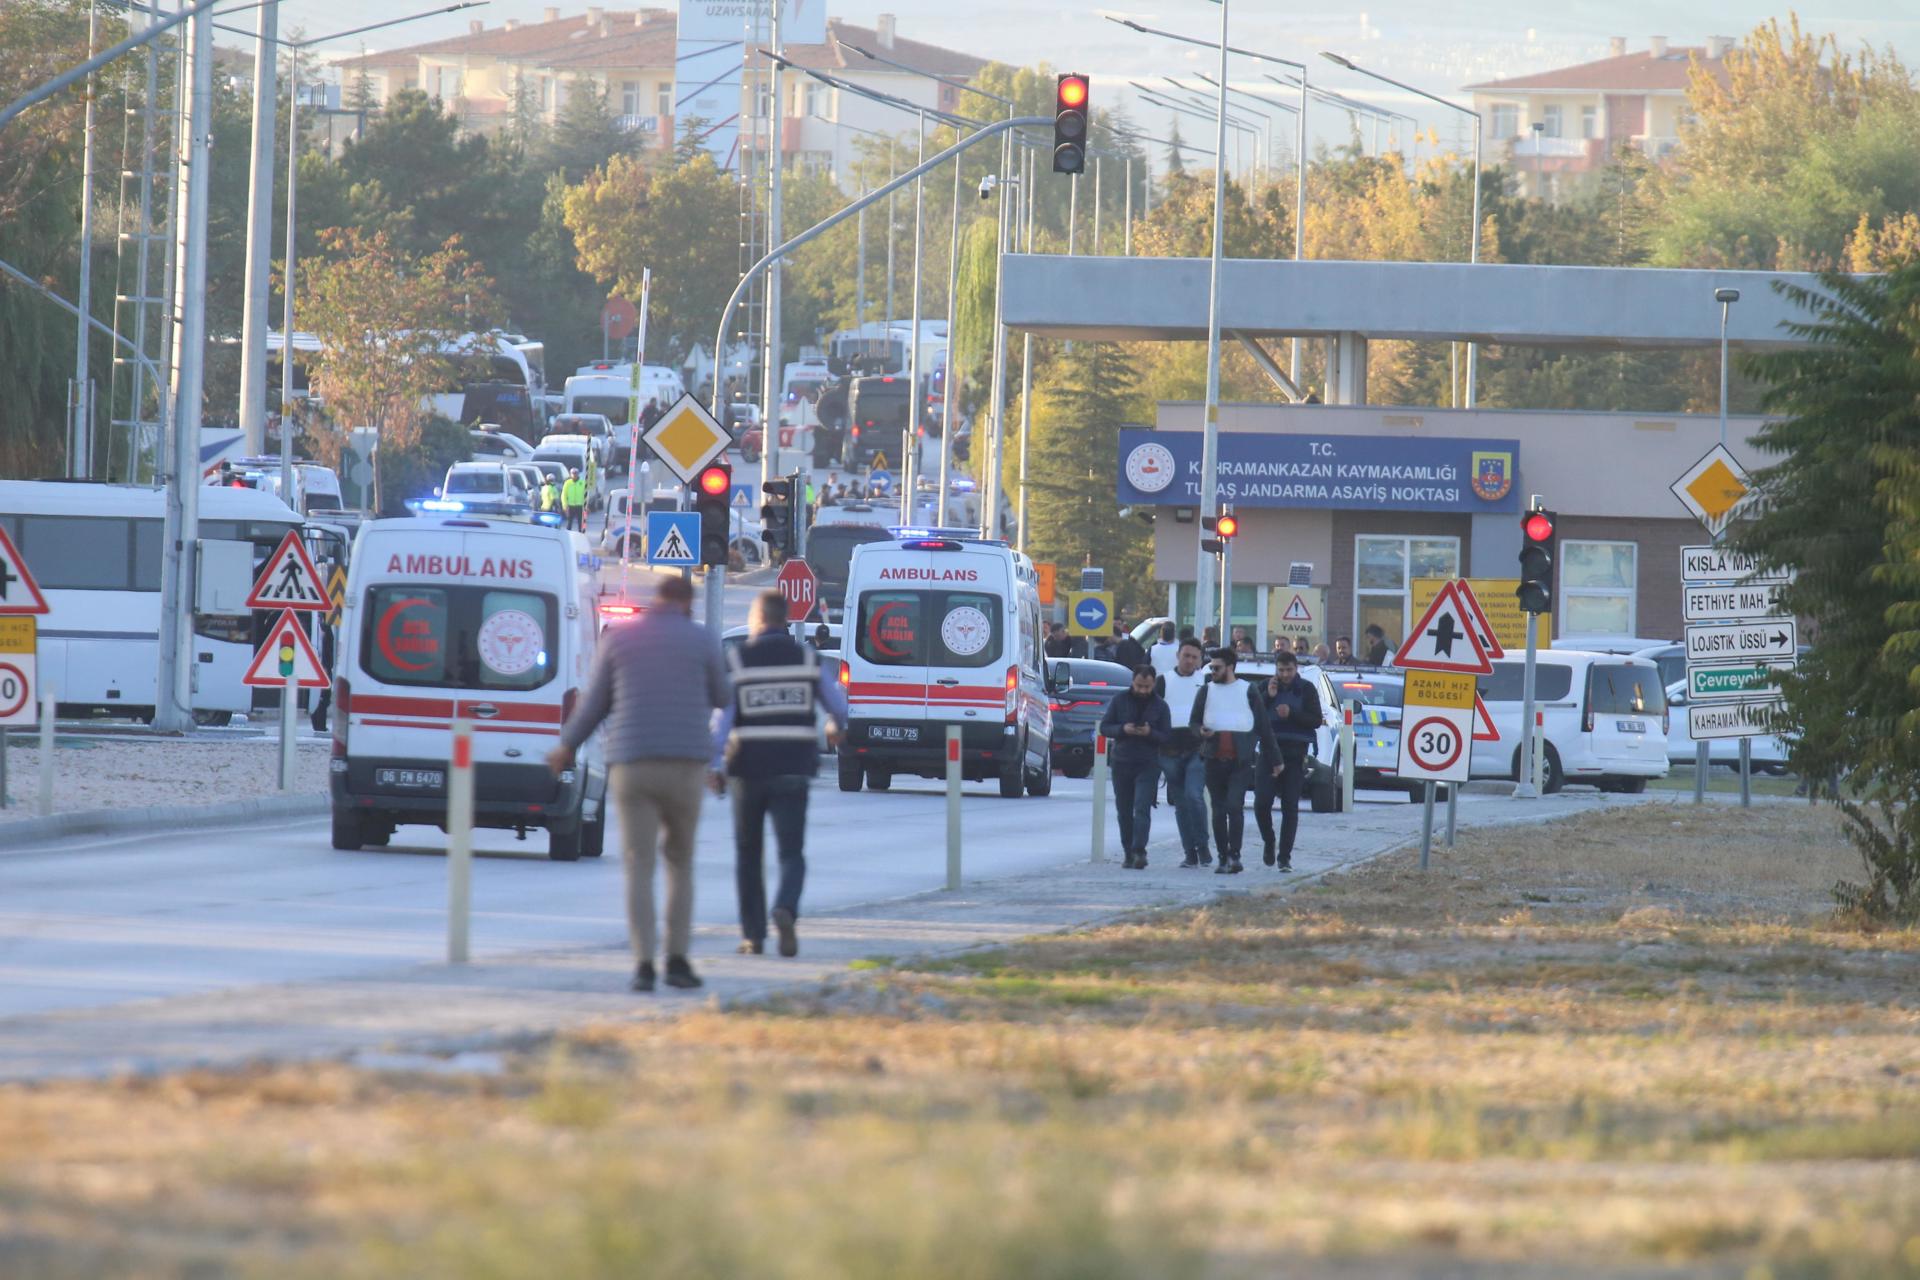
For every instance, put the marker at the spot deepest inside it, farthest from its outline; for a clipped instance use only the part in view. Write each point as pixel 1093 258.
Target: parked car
pixel 1606 719
pixel 491 444
pixel 1375 695
pixel 596 428
pixel 1079 690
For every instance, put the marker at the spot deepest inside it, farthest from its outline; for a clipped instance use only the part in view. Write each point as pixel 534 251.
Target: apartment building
pixel 631 55
pixel 1556 129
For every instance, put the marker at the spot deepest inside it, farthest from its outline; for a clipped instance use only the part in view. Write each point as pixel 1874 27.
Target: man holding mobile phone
pixel 1139 724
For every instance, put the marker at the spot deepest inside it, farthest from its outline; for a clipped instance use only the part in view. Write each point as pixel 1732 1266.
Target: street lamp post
pixel 1473 242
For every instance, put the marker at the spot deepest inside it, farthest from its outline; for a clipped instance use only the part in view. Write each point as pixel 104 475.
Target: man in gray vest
pixel 767 743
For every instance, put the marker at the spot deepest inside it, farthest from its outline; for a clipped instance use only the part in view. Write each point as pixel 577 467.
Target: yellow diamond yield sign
pixel 1713 489
pixel 687 438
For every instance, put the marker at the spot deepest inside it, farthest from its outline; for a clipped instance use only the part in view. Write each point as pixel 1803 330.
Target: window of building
pixel 819 100
pixel 1599 585
pixel 1589 122
pixel 1383 572
pixel 1555 120
pixel 663 100
pixel 1506 120
pixel 629 97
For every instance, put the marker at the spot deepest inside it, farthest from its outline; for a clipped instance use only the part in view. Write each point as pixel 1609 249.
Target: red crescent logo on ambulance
pixel 384 633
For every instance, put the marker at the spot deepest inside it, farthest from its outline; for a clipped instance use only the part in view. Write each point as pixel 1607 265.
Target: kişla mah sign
pixel 1322 472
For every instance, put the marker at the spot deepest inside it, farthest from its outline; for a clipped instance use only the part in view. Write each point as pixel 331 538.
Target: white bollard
pixel 46 750
pixel 289 700
pixel 1099 853
pixel 459 840
pixel 1346 760
pixel 953 806
pixel 1539 753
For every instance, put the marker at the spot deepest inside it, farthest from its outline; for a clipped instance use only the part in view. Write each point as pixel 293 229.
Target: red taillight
pixel 854 432
pixel 846 675
pixel 1013 695
pixel 1666 719
pixel 342 704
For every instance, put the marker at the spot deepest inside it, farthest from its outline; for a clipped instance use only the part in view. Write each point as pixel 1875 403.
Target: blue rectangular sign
pixel 673 537
pixel 1324 472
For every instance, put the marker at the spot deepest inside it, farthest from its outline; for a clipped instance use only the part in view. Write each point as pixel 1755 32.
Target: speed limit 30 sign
pixel 1436 727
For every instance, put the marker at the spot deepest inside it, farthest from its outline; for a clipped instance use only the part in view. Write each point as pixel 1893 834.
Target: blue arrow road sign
pixel 673 537
pixel 880 480
pixel 1091 613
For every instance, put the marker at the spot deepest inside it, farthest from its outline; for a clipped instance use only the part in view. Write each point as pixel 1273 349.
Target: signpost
pixel 1298 613
pixel 1701 566
pixel 1714 489
pixel 801 587
pixel 291 580
pixel 20 603
pixel 1498 605
pixel 1089 613
pixel 1773 638
pixel 1440 714
pixel 1709 720
pixel 686 438
pixel 673 538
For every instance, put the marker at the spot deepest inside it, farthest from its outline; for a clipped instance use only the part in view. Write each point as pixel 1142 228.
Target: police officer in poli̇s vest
pixel 767 743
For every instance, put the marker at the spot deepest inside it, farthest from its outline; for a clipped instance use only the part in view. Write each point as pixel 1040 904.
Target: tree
pixel 1176 161
pixel 1842 506
pixel 679 221
pixel 1072 458
pixel 585 134
pixel 383 318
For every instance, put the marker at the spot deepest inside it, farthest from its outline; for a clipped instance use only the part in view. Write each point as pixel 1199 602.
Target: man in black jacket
pixel 1139 725
pixel 1126 650
pixel 1293 708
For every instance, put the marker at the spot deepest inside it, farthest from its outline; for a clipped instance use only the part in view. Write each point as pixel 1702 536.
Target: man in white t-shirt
pixel 1180 761
pixel 1166 653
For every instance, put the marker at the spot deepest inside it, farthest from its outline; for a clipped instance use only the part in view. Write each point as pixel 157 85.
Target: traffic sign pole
pixel 953 807
pixel 289 694
pixel 1453 811
pixel 1426 827
pixel 1700 772
pixel 1746 773
pixel 1525 788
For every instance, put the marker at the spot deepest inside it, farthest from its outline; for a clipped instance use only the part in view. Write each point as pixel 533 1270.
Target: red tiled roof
pixel 1632 73
pixel 651 45
pixel 926 57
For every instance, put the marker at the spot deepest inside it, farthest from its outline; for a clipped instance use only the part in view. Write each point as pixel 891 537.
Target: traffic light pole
pixel 1524 789
pixel 1226 593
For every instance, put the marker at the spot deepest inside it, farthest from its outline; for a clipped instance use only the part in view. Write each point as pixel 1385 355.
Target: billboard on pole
pixel 713 41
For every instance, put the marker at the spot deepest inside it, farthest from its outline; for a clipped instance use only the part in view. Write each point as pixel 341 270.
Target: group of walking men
pixel 1213 738
pixel 656 685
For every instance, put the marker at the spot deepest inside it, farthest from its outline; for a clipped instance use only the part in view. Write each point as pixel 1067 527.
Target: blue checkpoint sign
pixel 673 537
pixel 880 480
pixel 1089 613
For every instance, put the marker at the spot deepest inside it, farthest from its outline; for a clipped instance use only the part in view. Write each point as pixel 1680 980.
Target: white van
pixel 606 387
pixel 474 618
pixel 1606 719
pixel 945 630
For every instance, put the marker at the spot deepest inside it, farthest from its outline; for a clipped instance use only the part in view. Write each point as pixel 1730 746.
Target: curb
pixel 89 822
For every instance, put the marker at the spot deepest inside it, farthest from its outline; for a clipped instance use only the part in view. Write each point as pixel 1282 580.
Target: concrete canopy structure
pixel 1165 300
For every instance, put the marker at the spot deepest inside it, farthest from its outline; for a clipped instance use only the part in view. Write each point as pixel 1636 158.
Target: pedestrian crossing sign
pixel 673 537
pixel 290 580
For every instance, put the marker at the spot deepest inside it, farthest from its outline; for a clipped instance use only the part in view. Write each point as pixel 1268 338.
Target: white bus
pixel 95 550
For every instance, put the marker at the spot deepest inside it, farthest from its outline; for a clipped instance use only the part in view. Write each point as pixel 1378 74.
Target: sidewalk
pixel 112 782
pixel 516 998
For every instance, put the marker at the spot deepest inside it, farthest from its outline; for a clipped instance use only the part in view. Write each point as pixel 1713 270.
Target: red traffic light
pixel 715 481
pixel 1228 525
pixel 1538 527
pixel 1073 93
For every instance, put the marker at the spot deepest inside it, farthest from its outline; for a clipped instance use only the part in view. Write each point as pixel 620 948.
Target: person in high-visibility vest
pixel 573 500
pixel 549 495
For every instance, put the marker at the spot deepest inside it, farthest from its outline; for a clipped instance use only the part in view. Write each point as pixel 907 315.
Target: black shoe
pixel 1206 859
pixel 1286 864
pixel 751 946
pixel 789 940
pixel 1189 862
pixel 1225 868
pixel 680 973
pixel 643 976
pixel 1266 854
pixel 1238 866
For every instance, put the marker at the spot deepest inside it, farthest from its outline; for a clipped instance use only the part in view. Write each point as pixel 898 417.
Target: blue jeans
pixel 1133 787
pixel 1186 792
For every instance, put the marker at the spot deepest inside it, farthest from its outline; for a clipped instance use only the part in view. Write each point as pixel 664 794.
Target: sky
pixel 1439 45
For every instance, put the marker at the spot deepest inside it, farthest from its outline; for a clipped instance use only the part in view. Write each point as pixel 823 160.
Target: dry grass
pixel 1635 1044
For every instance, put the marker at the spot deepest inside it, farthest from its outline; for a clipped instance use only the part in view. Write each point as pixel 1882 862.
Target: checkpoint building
pixel 1363 502
pixel 1374 498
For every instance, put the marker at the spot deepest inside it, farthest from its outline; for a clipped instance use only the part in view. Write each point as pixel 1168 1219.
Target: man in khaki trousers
pixel 656 683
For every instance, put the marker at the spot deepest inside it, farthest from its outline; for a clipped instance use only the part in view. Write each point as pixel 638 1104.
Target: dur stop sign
pixel 801 587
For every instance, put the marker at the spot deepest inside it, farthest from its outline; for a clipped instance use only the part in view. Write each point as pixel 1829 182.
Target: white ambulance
pixel 943 629
pixel 473 618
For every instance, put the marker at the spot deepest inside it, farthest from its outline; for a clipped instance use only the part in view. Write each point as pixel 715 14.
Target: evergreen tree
pixel 1842 506
pixel 1079 406
pixel 1175 164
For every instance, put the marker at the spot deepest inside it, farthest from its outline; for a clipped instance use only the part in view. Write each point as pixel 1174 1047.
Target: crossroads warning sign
pixel 1446 637
pixel 290 580
pixel 19 593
